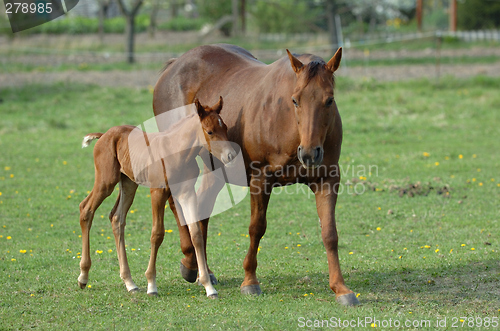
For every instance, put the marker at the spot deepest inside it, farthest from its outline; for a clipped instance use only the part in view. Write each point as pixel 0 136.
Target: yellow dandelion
pixel 218 234
pixel 405 248
pixel 286 247
pixel 379 228
pixel 400 257
pixel 493 179
pixel 460 156
pixel 11 175
pixel 169 231
pixel 472 249
pixel 32 295
pixel 374 325
pixel 110 251
pixel 13 260
pixel 298 245
pixel 298 233
pixel 473 179
pixel 357 295
pixel 9 237
pixel 474 156
pixel 22 251
pixel 133 249
pixel 306 294
pixel 258 249
pixel 98 251
pixel 437 163
pixel 446 157
pixel 350 253
pixel 451 250
pixel 7 168
pixel 463 245
pixel 89 286
pixel 132 211
pixel 480 184
pixel 0 193
pixel 65 162
pixel 426 154
pixel 379 208
pixel 427 246
pixel 437 250
pixel 52 225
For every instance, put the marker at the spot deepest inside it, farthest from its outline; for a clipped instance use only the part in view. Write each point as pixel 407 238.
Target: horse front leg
pixel 158 199
pixel 189 206
pixel 260 192
pixel 210 187
pixel 326 199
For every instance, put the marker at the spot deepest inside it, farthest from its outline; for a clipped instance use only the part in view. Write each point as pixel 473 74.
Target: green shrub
pixel 181 23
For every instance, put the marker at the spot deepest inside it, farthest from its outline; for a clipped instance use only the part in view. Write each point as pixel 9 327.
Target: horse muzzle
pixel 311 157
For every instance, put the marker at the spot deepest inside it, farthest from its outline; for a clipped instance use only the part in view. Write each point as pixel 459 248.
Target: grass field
pixel 420 243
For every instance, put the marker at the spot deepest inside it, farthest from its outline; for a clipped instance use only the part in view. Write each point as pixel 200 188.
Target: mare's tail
pixel 88 138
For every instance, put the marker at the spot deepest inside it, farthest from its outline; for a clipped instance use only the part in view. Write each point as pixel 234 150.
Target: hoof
pixel 213 280
pixel 188 274
pixel 134 291
pixel 213 296
pixel 251 289
pixel 348 299
pixel 82 285
pixel 153 294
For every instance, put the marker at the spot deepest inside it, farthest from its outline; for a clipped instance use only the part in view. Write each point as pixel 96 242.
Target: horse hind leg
pixel 118 221
pixel 88 206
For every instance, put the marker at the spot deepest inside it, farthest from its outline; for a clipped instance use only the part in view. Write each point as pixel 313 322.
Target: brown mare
pixel 121 156
pixel 285 119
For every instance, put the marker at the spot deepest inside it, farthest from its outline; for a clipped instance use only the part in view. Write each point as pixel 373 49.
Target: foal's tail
pixel 88 138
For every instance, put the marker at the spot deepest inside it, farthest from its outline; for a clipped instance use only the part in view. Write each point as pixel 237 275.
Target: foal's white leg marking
pixel 127 193
pixel 189 207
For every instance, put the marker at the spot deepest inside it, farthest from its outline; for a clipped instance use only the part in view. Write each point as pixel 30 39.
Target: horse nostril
pixel 317 153
pixel 230 157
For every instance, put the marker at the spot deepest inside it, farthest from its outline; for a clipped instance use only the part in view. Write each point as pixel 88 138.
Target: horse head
pixel 314 105
pixel 215 131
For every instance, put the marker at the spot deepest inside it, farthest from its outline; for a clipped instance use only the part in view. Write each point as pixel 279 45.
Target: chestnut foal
pixel 126 155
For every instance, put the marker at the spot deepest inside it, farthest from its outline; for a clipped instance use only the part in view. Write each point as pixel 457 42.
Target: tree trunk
pixel 243 16
pixel 129 35
pixel 130 27
pixel 152 19
pixel 332 31
pixel 101 22
pixel 234 9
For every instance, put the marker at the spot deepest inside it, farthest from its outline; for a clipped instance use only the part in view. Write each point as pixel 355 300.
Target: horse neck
pixel 186 137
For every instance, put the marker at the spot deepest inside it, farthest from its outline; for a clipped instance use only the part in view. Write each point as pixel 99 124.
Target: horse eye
pixel 295 103
pixel 209 133
pixel 329 102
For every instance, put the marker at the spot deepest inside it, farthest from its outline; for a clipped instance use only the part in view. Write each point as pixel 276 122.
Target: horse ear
pixel 199 108
pixel 218 106
pixel 296 64
pixel 334 62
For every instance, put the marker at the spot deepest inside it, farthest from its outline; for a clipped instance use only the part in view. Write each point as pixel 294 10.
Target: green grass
pixel 441 135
